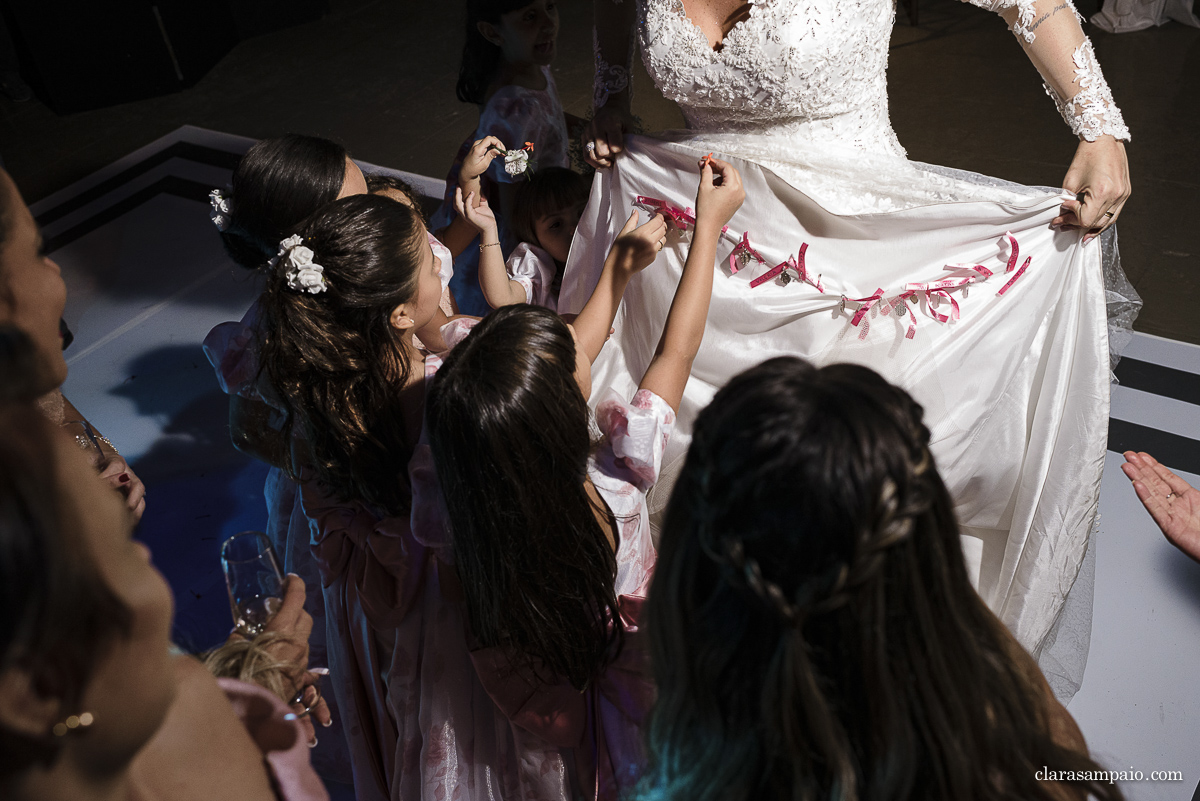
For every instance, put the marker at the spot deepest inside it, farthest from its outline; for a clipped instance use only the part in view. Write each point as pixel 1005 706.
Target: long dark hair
pixel 276 186
pixel 335 358
pixel 813 628
pixel 481 58
pixel 59 616
pixel 509 430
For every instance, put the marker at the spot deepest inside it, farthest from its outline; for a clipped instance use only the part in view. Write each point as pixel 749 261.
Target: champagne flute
pixel 254 580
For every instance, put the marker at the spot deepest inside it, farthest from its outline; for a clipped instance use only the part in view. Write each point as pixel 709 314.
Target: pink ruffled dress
pixel 535 270
pixel 484 731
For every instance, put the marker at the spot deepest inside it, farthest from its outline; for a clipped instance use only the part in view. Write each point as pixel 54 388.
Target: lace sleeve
pixel 612 41
pixel 1067 62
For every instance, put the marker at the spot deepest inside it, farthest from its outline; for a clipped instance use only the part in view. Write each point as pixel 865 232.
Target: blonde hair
pixel 251 661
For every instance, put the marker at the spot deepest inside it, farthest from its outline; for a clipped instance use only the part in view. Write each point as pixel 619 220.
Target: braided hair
pixel 814 631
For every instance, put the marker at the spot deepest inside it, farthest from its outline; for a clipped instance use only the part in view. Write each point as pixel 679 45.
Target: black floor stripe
pixel 171 185
pixel 184 150
pixel 1176 452
pixel 1158 380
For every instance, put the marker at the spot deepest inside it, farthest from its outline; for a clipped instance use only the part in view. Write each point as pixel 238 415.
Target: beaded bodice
pixel 812 68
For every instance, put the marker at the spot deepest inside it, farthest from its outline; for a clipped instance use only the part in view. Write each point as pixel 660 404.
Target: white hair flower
pixel 221 209
pixel 303 274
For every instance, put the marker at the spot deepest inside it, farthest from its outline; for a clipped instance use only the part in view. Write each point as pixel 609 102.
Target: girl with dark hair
pixel 278 183
pixel 813 629
pixel 401 191
pixel 345 296
pixel 545 216
pixel 505 71
pixel 550 532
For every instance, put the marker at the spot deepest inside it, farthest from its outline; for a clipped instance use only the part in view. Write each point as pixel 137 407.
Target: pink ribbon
pixel 742 253
pixel 1013 280
pixel 899 302
pixel 795 263
pixel 684 219
pixel 861 314
pixel 1012 262
pixel 936 291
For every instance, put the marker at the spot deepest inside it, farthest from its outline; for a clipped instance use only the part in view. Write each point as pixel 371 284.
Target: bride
pixel 984 299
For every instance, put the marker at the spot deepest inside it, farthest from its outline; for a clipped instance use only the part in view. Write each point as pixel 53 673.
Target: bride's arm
pixel 613 41
pixel 1049 31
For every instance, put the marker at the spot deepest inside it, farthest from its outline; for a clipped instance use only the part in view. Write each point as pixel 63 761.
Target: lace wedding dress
pixel 951 284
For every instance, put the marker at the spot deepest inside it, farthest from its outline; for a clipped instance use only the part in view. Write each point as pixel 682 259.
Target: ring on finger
pixel 590 147
pixel 298 698
pixel 1170 496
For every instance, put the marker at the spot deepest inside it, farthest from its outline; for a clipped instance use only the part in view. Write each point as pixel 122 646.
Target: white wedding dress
pixel 1015 386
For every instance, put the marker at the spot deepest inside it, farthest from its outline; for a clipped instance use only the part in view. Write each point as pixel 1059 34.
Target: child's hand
pixel 636 247
pixel 720 193
pixel 480 216
pixel 479 158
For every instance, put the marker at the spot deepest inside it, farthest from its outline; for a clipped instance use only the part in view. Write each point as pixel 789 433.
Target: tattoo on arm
pixel 1047 16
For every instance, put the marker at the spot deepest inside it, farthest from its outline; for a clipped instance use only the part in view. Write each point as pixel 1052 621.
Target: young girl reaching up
pixel 505 72
pixel 545 216
pixel 550 534
pixel 345 296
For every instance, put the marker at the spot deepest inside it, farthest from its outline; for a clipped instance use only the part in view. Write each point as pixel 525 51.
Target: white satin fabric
pixel 1015 392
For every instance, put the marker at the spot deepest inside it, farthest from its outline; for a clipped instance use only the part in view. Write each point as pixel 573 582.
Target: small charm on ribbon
pixel 742 253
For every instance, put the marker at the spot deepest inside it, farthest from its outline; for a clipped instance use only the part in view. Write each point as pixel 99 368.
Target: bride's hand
pixel 1099 172
pixel 604 137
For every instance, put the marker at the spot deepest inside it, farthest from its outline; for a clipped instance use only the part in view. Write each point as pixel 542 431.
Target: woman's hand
pixel 604 138
pixel 637 246
pixel 295 625
pixel 117 474
pixel 720 193
pixel 477 212
pixel 1099 172
pixel 1172 502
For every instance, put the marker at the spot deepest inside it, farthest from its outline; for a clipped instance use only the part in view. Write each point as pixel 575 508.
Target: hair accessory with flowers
pixel 221 209
pixel 303 274
pixel 517 162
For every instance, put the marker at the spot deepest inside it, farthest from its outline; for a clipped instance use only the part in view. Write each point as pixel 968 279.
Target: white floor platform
pixel 147 279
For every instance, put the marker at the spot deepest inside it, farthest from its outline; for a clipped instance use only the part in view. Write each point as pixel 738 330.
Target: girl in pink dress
pixel 338 314
pixel 399 655
pixel 549 534
pixel 278 183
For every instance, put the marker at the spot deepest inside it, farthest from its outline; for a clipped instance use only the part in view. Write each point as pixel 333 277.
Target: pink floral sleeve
pixel 637 432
